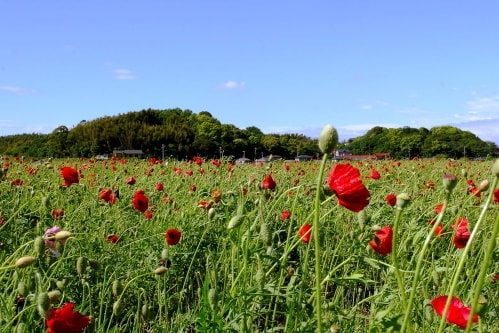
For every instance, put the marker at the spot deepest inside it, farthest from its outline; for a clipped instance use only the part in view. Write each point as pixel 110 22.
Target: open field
pixel 207 246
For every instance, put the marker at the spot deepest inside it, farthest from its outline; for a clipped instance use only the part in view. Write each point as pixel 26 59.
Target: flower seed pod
pixel 25 261
pixel 81 265
pixel 328 139
pixel 43 304
pixel 54 296
pixel 117 288
pixel 60 284
pixel 39 245
pixel 160 270
pixel 22 289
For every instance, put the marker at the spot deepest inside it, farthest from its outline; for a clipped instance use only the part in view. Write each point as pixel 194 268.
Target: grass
pixel 256 275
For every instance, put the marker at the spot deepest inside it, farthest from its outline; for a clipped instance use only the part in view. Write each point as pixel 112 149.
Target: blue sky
pixel 283 66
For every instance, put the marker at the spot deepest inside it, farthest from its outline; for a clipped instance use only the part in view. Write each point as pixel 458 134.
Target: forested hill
pixel 182 134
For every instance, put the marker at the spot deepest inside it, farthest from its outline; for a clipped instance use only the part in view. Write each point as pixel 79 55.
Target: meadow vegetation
pixel 208 246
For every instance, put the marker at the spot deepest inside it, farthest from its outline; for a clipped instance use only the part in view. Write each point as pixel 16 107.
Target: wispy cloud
pixel 232 85
pixel 485 129
pixel 16 90
pixel 123 74
pixel 481 108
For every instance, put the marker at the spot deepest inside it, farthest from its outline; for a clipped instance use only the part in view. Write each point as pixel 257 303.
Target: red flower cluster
pixel 462 233
pixel 374 174
pixel 382 242
pixel 172 236
pixel 458 313
pixel 69 175
pixel 140 202
pixel 65 320
pixel 285 214
pixel 344 180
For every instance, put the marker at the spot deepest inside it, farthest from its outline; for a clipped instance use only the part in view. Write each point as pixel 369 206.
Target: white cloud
pixel 232 85
pixel 16 90
pixel 366 107
pixel 123 74
pixel 481 108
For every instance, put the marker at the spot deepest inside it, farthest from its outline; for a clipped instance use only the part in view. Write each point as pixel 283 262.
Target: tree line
pixel 181 134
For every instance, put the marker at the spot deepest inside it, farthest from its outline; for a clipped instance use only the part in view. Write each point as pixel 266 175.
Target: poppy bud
pixel 211 213
pixel 260 278
pixel 328 139
pixel 54 296
pixel 212 298
pixel 39 245
pixel 25 261
pixel 482 306
pixel 164 254
pixel 495 168
pixel 117 288
pixel 484 185
pixel 235 221
pixel 117 307
pixel 60 284
pixel 62 235
pixel 22 289
pixel 160 270
pixel 449 182
pixel 146 311
pixel 402 200
pixel 464 173
pixel 265 234
pixel 362 218
pixel 81 265
pixel 46 202
pixel 21 328
pixel 43 304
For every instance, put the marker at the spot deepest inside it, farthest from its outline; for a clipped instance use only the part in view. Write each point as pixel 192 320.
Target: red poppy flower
pixel 462 233
pixel 172 236
pixel 113 239
pixel 215 163
pixel 268 183
pixel 305 233
pixel 438 208
pixel 140 202
pixel 345 181
pixel 107 195
pixel 198 160
pixel 192 188
pixel 65 320
pixel 159 187
pixel 130 180
pixel 188 173
pixel 57 214
pixel 285 215
pixel 496 195
pixel 205 204
pixel 374 174
pixel 69 175
pixel 458 313
pixel 216 195
pixel 148 214
pixel 16 182
pixel 391 199
pixel 382 242
pixel 438 230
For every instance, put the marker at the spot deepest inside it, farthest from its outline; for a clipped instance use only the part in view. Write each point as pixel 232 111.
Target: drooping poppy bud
pixel 328 139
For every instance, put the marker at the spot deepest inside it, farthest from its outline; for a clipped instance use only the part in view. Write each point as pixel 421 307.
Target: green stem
pixel 486 260
pixel 396 270
pixel 419 265
pixel 461 263
pixel 316 236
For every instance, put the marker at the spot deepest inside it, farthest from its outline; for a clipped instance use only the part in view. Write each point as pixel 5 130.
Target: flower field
pixel 208 246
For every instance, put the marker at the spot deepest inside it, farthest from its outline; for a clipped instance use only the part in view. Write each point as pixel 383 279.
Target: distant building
pixel 128 153
pixel 243 160
pixel 304 158
pixel 345 154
